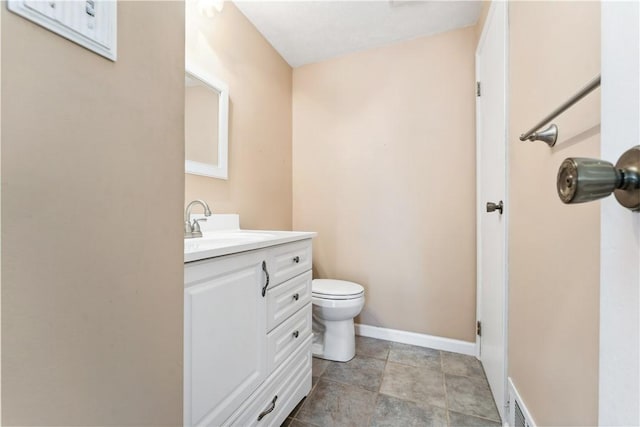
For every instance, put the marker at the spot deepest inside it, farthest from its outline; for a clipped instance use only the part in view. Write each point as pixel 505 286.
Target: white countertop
pixel 225 242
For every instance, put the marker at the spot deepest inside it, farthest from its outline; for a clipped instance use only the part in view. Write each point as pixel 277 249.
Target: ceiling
pixel 304 32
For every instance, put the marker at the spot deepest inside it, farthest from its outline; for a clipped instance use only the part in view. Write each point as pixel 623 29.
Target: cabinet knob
pixel 295 334
pixel 296 297
pixel 296 259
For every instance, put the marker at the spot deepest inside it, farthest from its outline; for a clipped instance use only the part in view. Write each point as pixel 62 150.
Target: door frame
pixel 479 203
pixel 619 352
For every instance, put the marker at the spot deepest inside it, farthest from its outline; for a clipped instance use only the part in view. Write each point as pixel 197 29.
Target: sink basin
pixel 223 239
pixel 222 236
pixel 240 234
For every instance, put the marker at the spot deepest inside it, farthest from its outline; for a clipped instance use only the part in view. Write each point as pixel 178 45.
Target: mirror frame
pixel 221 170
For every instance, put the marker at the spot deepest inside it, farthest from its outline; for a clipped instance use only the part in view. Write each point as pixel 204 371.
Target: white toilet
pixel 335 304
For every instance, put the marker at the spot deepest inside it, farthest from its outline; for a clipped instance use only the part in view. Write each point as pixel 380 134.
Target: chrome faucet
pixel 192 229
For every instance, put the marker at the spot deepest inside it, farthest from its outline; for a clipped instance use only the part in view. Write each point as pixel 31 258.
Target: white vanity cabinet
pixel 247 336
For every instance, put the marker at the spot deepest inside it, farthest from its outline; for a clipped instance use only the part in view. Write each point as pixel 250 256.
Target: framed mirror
pixel 206 124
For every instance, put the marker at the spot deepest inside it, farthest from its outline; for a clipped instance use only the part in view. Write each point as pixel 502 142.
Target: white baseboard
pixel 514 397
pixel 421 340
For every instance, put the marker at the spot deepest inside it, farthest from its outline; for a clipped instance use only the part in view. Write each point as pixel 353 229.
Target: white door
pixel 620 228
pixel 491 122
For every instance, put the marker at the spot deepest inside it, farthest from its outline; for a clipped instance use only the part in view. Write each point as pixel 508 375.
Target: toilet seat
pixel 336 289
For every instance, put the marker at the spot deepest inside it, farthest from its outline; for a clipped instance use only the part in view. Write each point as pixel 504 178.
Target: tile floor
pixel 391 384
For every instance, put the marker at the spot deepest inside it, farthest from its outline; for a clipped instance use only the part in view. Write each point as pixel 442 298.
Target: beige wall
pixel 92 191
pixel 554 249
pixel 383 170
pixel 259 184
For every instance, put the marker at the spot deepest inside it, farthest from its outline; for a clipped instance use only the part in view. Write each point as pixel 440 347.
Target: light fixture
pixel 209 8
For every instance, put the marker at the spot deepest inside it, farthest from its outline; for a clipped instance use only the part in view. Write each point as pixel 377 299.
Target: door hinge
pixel 478 328
pixel 478 91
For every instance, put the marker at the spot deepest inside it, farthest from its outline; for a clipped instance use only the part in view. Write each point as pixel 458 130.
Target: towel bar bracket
pixel 550 135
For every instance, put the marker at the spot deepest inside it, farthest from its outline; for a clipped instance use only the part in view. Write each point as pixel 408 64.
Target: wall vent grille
pixel 518 416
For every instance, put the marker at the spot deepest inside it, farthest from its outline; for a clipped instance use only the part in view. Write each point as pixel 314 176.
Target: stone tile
pixel 416 384
pixel 360 371
pixel 461 364
pixel 371 347
pixel 470 396
pixel 297 408
pixel 335 404
pixel 295 423
pixel 461 420
pixel 318 366
pixel 392 412
pixel 314 381
pixel 412 355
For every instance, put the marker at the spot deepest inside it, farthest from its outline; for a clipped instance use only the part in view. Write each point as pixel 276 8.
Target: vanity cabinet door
pixel 224 335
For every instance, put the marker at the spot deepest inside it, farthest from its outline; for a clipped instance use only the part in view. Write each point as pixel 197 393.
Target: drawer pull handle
pixel 266 272
pixel 269 410
pixel 295 334
pixel 296 259
pixel 296 297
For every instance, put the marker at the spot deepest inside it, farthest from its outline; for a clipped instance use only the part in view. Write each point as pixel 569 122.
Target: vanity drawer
pixel 286 299
pixel 287 338
pixel 289 260
pixel 290 383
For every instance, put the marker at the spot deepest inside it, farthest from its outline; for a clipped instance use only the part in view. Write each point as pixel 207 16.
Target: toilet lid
pixel 335 289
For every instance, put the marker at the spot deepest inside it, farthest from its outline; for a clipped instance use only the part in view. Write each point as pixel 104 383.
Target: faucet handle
pixel 195 227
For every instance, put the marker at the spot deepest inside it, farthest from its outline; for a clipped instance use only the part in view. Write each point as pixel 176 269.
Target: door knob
pixel 582 180
pixel 492 207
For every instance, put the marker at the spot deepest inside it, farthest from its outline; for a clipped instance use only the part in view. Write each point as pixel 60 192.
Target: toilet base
pixel 337 342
